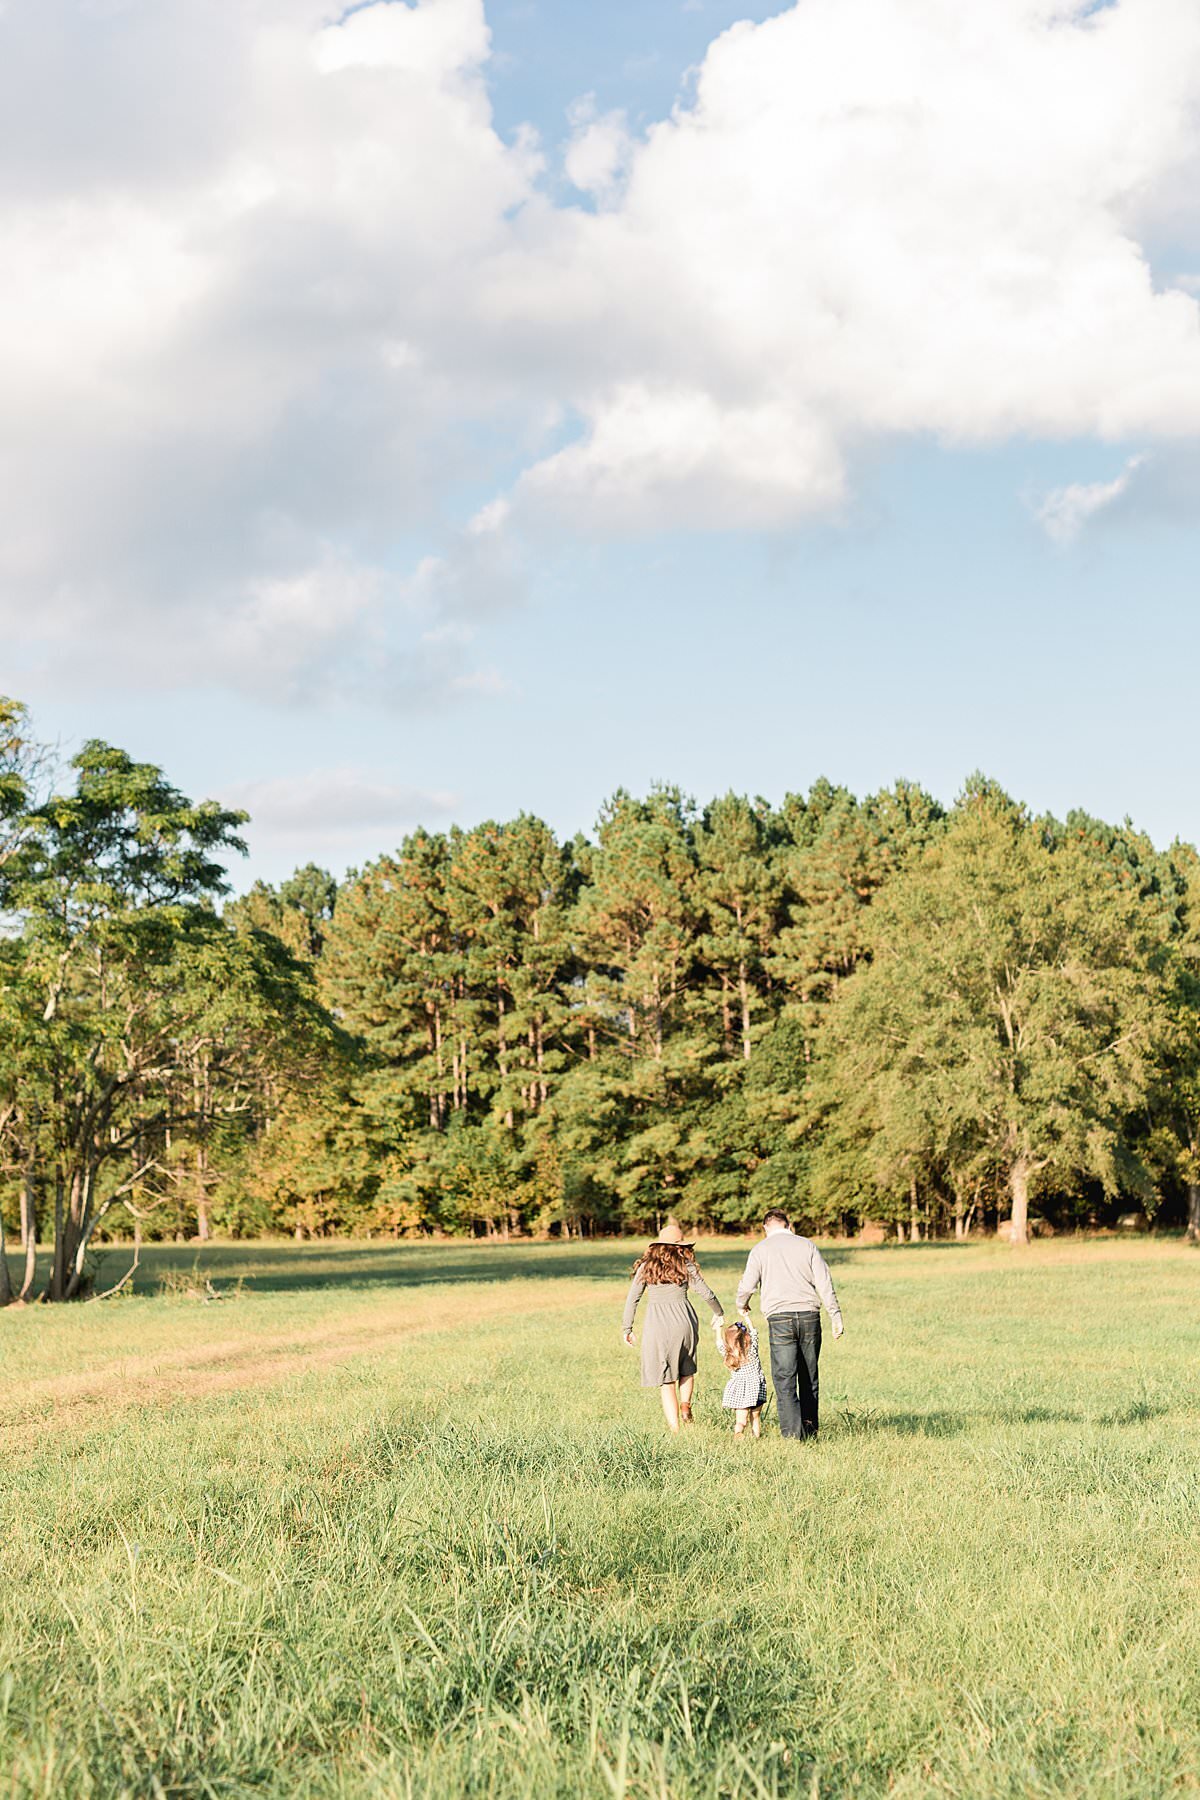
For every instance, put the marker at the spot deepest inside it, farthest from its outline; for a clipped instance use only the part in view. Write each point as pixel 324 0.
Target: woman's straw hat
pixel 672 1233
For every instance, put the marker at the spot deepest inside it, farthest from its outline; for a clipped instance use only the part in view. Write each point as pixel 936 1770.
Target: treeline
pixel 859 1009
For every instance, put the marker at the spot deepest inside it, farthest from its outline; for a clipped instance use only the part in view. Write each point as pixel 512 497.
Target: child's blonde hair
pixel 735 1350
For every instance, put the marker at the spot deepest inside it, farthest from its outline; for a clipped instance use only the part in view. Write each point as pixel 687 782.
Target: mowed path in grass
pixel 400 1521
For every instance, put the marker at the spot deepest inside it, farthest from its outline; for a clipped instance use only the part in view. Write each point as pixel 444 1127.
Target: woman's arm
pixel 699 1286
pixel 637 1288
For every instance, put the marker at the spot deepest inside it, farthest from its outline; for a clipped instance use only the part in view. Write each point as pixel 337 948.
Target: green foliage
pixel 298 914
pixel 1009 1022
pixel 853 1009
pixel 139 1029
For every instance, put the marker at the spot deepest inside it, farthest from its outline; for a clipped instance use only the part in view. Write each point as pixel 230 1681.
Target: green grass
pixel 400 1522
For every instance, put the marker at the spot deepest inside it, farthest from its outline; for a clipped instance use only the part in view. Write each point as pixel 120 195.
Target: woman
pixel 664 1274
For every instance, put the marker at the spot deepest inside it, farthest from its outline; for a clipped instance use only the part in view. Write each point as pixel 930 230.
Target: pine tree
pixel 391 975
pixel 741 894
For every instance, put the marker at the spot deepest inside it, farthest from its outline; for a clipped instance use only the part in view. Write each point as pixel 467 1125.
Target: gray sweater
pixel 667 1294
pixel 793 1274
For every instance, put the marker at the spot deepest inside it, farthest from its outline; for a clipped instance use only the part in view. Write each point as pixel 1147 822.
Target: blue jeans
pixel 795 1350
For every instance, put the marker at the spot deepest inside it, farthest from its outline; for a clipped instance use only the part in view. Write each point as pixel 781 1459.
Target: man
pixel 795 1283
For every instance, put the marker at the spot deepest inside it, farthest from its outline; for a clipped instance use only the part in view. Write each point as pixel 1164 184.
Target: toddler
pixel 746 1389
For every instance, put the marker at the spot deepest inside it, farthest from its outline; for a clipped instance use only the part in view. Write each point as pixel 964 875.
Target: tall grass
pixel 464 1559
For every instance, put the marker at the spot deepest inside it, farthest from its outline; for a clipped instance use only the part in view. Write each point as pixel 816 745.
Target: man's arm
pixel 750 1279
pixel 823 1282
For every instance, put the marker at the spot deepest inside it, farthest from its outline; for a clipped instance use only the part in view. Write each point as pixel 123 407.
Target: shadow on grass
pixel 296 1268
pixel 1136 1413
pixel 931 1425
pixel 952 1424
pixel 351 1263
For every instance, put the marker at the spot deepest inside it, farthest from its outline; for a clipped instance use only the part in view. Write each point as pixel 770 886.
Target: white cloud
pixel 657 456
pixel 437 43
pixel 277 293
pixel 334 805
pixel 489 518
pixel 881 218
pixel 599 150
pixel 229 343
pixel 1064 511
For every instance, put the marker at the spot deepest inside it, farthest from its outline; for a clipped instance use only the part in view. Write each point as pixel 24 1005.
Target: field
pixel 400 1522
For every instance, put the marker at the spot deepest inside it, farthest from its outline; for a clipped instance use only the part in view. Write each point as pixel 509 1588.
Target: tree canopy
pixel 859 1009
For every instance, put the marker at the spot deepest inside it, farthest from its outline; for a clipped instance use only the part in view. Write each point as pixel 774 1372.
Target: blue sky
pixel 946 609
pixel 635 54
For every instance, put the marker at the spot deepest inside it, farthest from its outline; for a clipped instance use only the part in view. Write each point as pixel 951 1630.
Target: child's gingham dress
pixel 746 1386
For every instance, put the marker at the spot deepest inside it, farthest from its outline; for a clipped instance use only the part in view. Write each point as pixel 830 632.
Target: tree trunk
pixel 1018 1186
pixel 744 994
pixel 1193 1225
pixel 959 1226
pixel 435 1051
pixel 6 1290
pixel 83 1187
pixel 29 1224
pixel 203 1228
pixel 438 1105
pixel 914 1222
pixel 58 1273
pixel 502 1053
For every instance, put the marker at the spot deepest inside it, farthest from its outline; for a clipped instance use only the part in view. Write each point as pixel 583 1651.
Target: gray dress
pixel 670 1329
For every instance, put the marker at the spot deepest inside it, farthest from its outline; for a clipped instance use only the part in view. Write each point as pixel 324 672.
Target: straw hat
pixel 672 1233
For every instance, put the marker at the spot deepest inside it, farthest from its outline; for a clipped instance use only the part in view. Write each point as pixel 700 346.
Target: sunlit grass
pixel 401 1522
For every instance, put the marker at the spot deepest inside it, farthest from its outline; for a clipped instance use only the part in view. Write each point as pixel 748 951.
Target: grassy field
pixel 400 1522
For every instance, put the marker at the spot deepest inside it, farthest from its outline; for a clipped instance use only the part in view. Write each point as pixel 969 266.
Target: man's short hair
pixel 775 1217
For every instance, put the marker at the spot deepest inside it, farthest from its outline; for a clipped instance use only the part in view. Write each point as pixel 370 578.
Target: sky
pixel 428 413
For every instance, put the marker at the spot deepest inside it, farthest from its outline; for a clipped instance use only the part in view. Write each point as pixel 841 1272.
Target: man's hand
pixel 744 1313
pixel 838 1328
pixel 627 1338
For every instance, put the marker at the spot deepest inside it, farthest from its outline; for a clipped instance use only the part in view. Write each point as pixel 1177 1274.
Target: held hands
pixel 627 1338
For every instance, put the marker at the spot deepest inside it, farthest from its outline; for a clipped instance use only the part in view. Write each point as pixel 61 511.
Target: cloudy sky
pixel 418 412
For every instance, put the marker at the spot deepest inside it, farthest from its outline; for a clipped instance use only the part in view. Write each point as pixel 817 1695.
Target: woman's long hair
pixel 665 1263
pixel 737 1346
